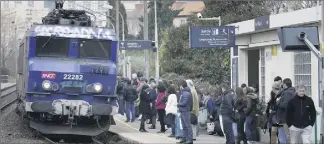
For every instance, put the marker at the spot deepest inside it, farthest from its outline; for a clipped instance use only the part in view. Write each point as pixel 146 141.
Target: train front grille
pixel 72 89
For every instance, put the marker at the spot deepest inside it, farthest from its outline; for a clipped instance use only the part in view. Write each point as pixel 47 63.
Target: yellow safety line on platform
pixel 147 132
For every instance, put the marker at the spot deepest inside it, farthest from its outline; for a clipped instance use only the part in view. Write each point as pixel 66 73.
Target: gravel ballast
pixel 14 131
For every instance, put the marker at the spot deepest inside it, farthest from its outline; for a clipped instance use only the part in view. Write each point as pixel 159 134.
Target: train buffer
pixel 130 132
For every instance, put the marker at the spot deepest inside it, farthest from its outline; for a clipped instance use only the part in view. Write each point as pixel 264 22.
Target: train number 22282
pixel 72 77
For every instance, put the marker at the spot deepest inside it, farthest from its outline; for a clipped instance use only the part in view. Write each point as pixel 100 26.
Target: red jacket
pixel 159 101
pixel 138 84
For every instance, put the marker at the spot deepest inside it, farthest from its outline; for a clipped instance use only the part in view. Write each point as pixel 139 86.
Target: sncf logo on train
pixel 48 75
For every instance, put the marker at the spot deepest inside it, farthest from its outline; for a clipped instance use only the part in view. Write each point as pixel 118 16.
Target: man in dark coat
pixel 283 98
pixel 120 90
pixel 185 106
pixel 130 96
pixel 145 106
pixel 226 114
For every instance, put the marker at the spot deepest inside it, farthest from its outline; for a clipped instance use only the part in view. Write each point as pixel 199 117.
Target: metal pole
pixel 124 52
pixel 1 54
pixel 117 32
pixel 219 21
pixel 321 76
pixel 157 63
pixel 146 38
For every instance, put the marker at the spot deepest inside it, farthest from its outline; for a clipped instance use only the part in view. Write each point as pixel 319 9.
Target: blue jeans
pixel 187 129
pixel 173 129
pixel 250 128
pixel 130 108
pixel 282 135
pixel 228 129
pixel 121 109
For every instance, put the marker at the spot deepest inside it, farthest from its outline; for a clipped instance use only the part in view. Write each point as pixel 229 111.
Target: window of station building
pixel 49 4
pixel 89 48
pixel 303 71
pixel 52 47
pixel 31 3
pixel 183 21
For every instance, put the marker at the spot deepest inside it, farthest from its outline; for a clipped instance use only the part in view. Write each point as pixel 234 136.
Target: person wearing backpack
pixel 251 112
pixel 145 106
pixel 130 96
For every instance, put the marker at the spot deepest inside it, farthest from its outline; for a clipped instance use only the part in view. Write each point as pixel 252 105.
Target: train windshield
pixel 52 47
pixel 89 48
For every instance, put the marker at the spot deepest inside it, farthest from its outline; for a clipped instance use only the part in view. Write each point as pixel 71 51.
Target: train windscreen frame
pixel 52 46
pixel 95 48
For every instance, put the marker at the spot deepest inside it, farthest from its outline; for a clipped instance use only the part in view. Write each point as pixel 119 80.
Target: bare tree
pixel 8 41
pixel 277 6
pixel 296 5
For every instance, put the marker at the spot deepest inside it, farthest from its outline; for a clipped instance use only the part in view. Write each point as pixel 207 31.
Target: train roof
pixel 71 32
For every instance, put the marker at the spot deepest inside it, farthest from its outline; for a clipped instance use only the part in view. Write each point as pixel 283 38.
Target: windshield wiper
pixel 102 47
pixel 50 38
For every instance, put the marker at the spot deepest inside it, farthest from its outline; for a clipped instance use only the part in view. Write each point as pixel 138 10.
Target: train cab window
pixel 89 48
pixel 52 47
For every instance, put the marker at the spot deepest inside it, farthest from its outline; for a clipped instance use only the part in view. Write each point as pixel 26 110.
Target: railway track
pixel 7 105
pixel 8 99
pixel 70 139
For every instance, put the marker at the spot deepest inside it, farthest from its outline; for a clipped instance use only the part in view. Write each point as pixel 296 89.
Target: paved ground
pixel 130 131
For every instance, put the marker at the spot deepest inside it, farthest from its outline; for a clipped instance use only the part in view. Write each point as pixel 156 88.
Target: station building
pixel 258 59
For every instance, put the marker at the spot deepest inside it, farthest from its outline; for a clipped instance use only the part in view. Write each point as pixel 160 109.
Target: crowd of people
pixel 290 113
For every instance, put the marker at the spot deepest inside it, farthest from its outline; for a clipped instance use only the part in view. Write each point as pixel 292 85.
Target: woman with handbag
pixel 171 109
pixel 160 106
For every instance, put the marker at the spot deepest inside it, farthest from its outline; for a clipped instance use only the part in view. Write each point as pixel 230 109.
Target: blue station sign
pixel 212 37
pixel 135 45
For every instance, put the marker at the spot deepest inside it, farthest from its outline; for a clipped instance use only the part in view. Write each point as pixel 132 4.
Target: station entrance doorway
pixel 253 67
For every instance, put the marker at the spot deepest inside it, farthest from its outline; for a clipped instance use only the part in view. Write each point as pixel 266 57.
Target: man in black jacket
pixel 130 96
pixel 300 116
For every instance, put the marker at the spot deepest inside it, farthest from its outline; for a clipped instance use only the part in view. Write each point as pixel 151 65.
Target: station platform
pixel 130 132
pixel 6 85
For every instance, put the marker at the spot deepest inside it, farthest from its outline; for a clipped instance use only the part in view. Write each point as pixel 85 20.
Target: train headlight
pixel 94 88
pixel 97 87
pixel 46 85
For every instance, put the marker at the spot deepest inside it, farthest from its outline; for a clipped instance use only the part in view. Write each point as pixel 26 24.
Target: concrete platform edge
pixel 128 140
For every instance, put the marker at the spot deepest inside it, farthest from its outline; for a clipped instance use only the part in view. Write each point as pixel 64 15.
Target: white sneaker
pixel 140 117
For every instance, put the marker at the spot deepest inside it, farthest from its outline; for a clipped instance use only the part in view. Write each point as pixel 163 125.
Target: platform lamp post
pixel 109 7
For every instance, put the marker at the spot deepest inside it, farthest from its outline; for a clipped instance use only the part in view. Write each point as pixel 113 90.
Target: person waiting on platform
pixel 300 116
pixel 185 106
pixel 130 96
pixel 144 106
pixel 160 106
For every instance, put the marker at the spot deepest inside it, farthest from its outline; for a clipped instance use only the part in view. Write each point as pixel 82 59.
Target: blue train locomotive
pixel 67 76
